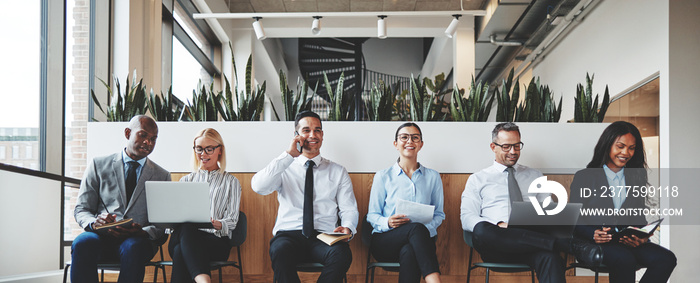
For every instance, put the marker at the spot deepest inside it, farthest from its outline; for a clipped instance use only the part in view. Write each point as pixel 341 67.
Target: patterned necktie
pixel 131 179
pixel 308 225
pixel 513 188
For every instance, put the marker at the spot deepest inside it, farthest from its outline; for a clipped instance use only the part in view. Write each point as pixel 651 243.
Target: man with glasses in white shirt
pixel 313 193
pixel 485 210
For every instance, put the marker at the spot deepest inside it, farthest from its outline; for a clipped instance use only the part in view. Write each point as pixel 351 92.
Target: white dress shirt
pixel 333 194
pixel 486 198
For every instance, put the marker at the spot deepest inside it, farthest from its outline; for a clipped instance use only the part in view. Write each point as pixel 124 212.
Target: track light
pixel 316 25
pixel 257 27
pixel 452 28
pixel 381 27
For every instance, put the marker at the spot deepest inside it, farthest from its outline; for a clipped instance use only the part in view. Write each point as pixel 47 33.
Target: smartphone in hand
pixel 299 147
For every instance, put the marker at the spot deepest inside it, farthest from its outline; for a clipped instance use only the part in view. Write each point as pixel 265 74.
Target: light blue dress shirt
pixel 392 184
pixel 616 180
pixel 126 159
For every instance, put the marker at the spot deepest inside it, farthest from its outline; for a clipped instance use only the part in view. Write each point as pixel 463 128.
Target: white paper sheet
pixel 417 212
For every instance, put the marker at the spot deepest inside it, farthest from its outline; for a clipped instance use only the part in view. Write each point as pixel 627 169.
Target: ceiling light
pixel 316 25
pixel 452 28
pixel 381 27
pixel 257 27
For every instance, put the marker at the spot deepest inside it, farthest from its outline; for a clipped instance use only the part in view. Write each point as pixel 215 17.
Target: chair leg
pixel 221 279
pixel 65 273
pixel 596 276
pixel 487 275
pixel 155 273
pixel 240 263
pixel 102 278
pixel 366 275
pixel 532 275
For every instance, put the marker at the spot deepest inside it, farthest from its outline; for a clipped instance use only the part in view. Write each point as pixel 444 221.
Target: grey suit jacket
pixel 106 175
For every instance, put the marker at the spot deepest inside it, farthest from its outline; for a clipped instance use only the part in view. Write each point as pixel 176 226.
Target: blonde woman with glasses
pixel 192 249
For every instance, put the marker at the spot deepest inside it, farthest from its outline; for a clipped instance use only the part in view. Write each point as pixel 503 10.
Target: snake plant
pixel 123 106
pixel 538 105
pixel 507 100
pixel 293 102
pixel 380 104
pixel 202 107
pixel 249 102
pixel 342 104
pixel 425 105
pixel 164 107
pixel 585 108
pixel 474 108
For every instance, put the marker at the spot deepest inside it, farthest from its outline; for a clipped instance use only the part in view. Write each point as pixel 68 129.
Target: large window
pixel 20 54
pixel 192 52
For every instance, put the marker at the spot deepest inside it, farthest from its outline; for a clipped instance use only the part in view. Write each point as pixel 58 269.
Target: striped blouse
pixel 225 195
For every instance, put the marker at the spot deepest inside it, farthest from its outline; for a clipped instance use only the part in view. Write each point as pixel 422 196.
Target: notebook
pixel 561 225
pixel 173 203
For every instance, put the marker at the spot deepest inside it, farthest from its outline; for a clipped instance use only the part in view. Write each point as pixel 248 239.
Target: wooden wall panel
pixel 262 212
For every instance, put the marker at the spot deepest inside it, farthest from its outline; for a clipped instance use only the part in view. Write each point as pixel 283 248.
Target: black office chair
pixel 115 266
pixel 238 237
pixel 367 240
pixel 597 269
pixel 493 266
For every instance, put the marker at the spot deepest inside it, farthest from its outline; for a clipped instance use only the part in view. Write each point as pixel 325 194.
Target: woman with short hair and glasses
pixel 190 248
pixel 619 164
pixel 395 237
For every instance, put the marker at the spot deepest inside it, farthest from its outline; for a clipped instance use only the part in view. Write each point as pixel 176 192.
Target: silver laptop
pixel 561 225
pixel 173 203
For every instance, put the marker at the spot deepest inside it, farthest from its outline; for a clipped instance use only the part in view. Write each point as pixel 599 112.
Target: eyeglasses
pixel 414 137
pixel 507 147
pixel 208 149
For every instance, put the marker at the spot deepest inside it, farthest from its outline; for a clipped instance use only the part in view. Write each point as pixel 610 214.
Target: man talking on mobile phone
pixel 316 191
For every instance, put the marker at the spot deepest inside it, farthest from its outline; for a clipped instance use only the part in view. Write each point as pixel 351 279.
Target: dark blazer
pixel 106 175
pixel 595 179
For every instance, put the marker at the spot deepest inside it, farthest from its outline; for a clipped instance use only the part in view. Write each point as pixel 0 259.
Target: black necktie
pixel 513 188
pixel 308 225
pixel 131 179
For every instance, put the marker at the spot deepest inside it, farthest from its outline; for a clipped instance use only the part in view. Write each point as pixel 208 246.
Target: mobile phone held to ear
pixel 299 147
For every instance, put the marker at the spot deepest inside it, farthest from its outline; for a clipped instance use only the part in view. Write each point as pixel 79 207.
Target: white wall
pixel 621 42
pixel 683 115
pixel 31 224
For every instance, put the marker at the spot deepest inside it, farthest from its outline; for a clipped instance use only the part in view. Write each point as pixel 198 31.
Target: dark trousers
pixel 192 250
pixel 288 248
pixel 514 245
pixel 409 244
pixel 622 261
pixel 89 248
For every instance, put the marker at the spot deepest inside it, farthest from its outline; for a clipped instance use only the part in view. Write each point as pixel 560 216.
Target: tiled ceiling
pixel 268 6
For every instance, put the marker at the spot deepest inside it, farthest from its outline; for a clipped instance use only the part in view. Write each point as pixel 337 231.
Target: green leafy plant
pixel 202 107
pixel 538 105
pixel 380 104
pixel 507 100
pixel 474 108
pixel 293 102
pixel 425 105
pixel 342 104
pixel 585 108
pixel 123 106
pixel 166 109
pixel 249 102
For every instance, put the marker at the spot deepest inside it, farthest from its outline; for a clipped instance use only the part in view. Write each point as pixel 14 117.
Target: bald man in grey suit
pixel 105 196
